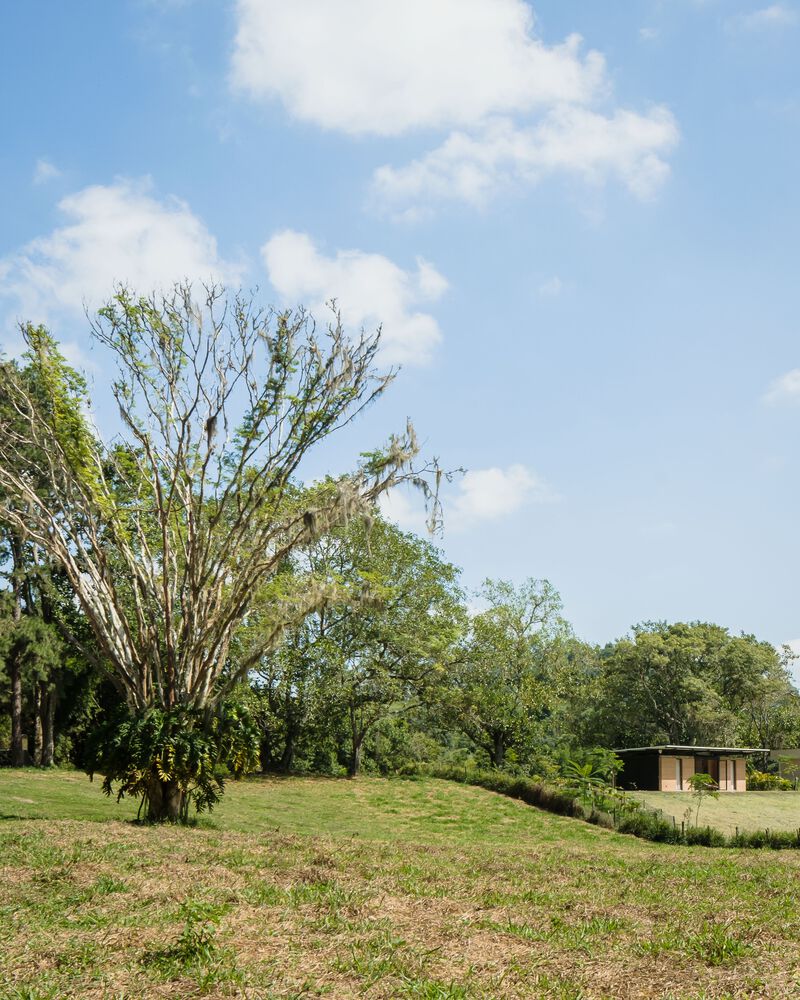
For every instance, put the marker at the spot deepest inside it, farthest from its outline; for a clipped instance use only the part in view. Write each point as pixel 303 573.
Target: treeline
pixel 402 673
pixel 394 668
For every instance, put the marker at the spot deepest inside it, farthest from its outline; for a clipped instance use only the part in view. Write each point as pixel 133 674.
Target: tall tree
pixel 513 665
pixel 166 536
pixel 379 645
pixel 396 640
pixel 691 683
pixel 31 640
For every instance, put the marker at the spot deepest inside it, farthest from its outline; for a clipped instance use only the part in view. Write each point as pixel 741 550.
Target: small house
pixel 667 768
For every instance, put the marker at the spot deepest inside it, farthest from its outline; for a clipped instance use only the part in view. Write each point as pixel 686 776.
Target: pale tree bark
pixel 167 534
pixel 38 732
pixel 48 727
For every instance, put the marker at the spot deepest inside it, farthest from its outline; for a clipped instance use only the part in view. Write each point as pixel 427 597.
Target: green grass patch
pixel 747 811
pixel 379 889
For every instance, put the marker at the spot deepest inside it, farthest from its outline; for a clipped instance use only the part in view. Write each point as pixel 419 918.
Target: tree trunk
pixel 48 728
pixel 355 757
pixel 15 671
pixel 287 757
pixel 37 724
pixel 17 749
pixel 498 750
pixel 265 753
pixel 165 802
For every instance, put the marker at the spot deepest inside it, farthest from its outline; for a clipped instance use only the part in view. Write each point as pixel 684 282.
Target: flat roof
pixel 674 746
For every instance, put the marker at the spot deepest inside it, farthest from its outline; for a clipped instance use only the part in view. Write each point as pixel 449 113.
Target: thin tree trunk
pixel 357 734
pixel 355 757
pixel 48 727
pixel 17 751
pixel 287 757
pixel 265 754
pixel 38 709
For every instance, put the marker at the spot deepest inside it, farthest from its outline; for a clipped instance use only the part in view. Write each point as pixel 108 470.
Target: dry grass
pixel 413 907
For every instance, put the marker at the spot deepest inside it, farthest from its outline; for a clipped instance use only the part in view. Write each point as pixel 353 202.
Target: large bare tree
pixel 167 531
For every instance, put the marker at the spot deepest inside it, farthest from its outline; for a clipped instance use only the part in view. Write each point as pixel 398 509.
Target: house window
pixel 679 774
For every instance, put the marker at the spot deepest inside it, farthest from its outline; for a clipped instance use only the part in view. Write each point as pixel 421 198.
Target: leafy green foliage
pixel 588 779
pixel 689 684
pixel 702 787
pixel 513 668
pixel 183 753
pixel 761 781
pixel 379 647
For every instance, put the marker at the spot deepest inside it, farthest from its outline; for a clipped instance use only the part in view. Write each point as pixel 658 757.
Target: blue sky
pixel 577 221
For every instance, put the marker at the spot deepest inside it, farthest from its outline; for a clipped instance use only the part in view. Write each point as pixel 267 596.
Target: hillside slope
pixel 379 889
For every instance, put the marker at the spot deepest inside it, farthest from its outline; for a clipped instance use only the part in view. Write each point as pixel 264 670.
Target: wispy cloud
pixel 784 389
pixel 45 171
pixel 121 232
pixel 550 288
pixel 778 15
pixel 480 496
pixel 473 167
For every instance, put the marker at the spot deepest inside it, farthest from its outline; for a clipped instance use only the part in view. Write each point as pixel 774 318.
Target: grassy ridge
pixel 380 889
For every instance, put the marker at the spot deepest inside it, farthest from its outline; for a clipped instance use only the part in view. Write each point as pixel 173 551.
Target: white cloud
pixel 480 496
pixel 383 67
pixel 45 171
pixel 648 34
pixel 785 389
pixel 777 15
pixel 369 289
pixel 510 106
pixel 396 506
pixel 472 167
pixel 115 233
pixel 489 494
pixel 551 288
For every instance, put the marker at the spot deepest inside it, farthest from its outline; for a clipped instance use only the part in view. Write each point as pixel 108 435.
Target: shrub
pixel 183 751
pixel 775 839
pixel 650 827
pixel 761 781
pixel 705 836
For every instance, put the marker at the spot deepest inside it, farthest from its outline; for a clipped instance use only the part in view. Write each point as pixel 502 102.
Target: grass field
pixel 748 811
pixel 379 889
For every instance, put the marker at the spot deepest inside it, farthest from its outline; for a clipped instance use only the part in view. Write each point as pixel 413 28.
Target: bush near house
pixel 761 781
